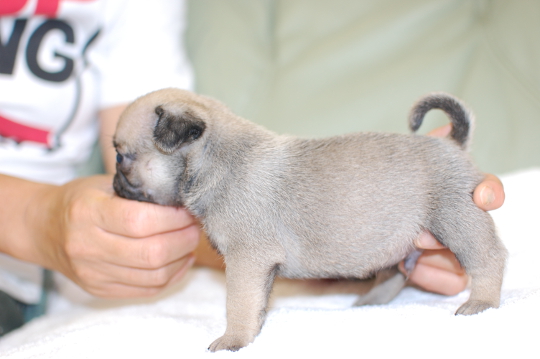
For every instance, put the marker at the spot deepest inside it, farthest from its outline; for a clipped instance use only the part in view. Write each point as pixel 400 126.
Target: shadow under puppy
pixel 345 206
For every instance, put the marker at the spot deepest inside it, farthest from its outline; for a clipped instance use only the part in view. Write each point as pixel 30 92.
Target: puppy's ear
pixel 172 131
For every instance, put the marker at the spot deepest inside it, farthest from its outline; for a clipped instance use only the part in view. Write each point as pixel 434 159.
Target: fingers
pixel 140 219
pixel 92 200
pixel 437 269
pixel 123 267
pixel 437 255
pixel 441 131
pixel 119 267
pixel 155 251
pixel 489 194
pixel 147 253
pixel 438 280
pixel 130 282
pixel 426 240
pixel 441 259
pixel 113 247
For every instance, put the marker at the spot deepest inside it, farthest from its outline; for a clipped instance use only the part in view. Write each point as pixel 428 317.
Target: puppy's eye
pixel 195 133
pixel 119 158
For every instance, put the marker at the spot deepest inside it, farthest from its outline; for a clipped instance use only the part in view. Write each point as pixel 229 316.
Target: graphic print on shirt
pixel 42 55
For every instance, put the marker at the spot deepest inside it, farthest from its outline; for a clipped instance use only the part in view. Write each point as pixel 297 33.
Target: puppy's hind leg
pixel 388 283
pixel 248 289
pixel 474 241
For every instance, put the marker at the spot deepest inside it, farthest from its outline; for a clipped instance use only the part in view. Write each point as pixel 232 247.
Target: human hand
pixel 437 269
pixel 110 246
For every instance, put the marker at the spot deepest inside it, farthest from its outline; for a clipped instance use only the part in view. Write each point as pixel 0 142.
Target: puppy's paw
pixel 474 307
pixel 228 342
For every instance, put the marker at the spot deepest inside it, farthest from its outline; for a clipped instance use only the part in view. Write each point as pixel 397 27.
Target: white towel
pixel 311 319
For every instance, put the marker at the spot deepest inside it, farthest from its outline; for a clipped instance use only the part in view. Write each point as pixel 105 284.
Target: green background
pixel 325 67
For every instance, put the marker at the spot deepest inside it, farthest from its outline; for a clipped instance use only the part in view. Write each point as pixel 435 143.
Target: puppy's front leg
pixel 248 287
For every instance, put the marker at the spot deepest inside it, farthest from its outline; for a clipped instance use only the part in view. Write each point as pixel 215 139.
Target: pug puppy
pixel 346 206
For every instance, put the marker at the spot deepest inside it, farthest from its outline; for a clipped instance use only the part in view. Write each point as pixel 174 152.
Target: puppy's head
pixel 155 139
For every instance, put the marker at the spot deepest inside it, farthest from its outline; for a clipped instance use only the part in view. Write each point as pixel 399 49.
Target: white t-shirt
pixel 61 61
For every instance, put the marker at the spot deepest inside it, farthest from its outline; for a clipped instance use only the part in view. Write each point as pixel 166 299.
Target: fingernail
pixel 422 240
pixel 487 195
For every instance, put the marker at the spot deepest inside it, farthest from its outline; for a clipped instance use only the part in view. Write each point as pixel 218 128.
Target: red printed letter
pixel 47 7
pixel 11 7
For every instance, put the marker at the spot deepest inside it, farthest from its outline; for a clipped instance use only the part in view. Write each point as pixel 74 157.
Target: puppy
pixel 346 206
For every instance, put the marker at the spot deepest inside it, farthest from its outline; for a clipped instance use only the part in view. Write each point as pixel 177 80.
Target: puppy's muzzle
pixel 127 190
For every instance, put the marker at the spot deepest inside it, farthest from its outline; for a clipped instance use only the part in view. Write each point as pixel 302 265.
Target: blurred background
pixel 317 68
pixel 321 67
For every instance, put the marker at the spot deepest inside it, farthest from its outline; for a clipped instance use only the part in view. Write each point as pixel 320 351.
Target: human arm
pixel 46 224
pixel 437 270
pixel 110 246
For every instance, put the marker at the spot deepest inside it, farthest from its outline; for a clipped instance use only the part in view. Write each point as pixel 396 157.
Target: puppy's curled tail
pixel 462 119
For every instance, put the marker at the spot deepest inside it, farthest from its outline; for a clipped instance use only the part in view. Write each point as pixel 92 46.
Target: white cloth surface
pixel 310 319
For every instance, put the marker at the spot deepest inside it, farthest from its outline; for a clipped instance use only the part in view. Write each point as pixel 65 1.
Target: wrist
pixel 26 216
pixel 42 221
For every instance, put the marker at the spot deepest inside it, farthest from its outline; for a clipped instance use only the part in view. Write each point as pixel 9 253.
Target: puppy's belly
pixel 353 262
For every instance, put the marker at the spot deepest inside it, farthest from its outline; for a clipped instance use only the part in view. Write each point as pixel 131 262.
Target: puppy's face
pixel 154 138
